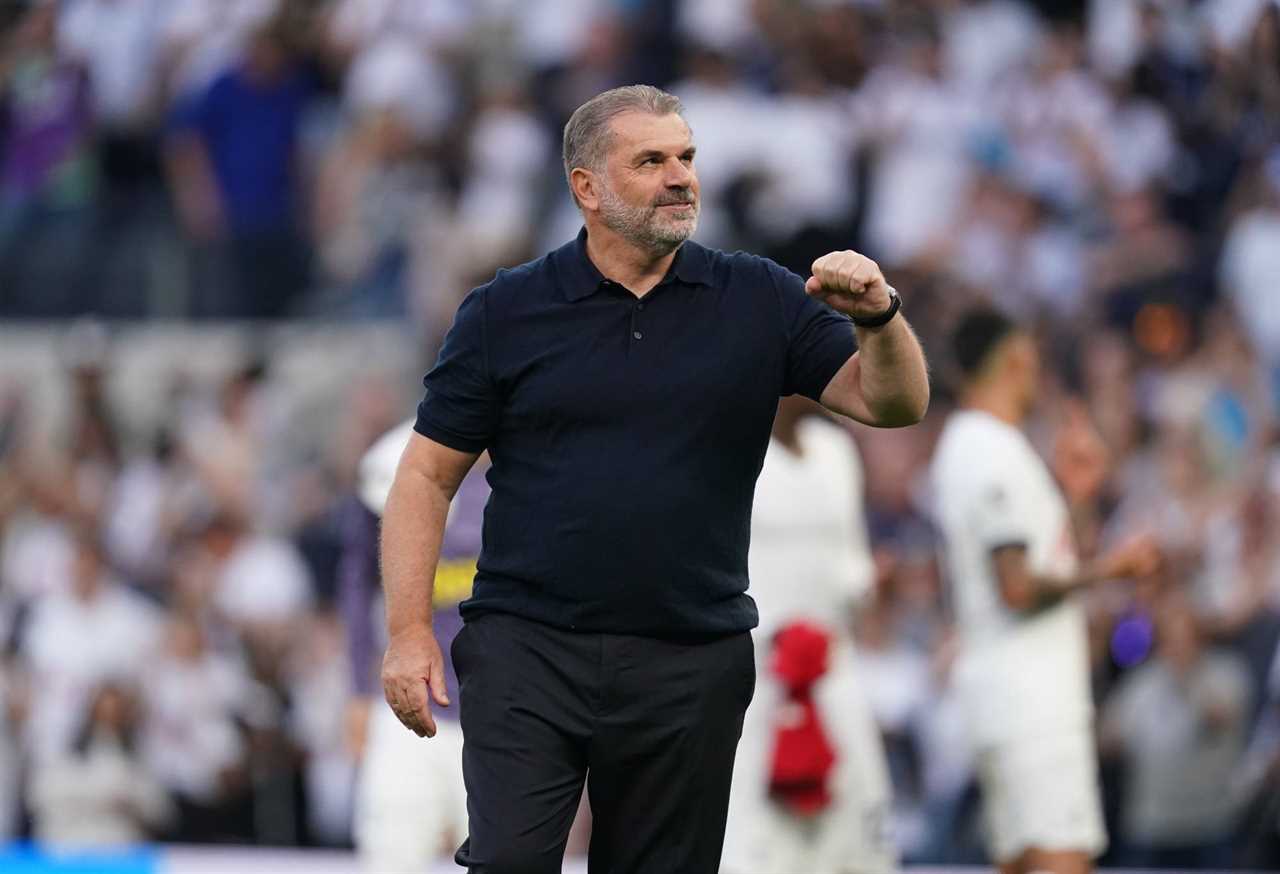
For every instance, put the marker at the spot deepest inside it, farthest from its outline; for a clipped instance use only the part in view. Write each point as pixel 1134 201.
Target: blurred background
pixel 232 233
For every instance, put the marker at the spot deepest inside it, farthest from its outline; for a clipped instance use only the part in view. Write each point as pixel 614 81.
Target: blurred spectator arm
pixel 190 172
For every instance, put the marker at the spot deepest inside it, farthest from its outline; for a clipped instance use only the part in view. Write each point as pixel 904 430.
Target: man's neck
pixel 1001 405
pixel 635 268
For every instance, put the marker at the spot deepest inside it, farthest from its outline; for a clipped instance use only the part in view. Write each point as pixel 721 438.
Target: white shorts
pixel 411 803
pixel 1042 793
pixel 852 835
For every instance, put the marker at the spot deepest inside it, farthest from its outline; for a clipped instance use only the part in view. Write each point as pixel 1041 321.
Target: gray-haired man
pixel 624 386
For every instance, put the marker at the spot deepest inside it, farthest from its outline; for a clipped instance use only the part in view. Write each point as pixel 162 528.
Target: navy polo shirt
pixel 626 435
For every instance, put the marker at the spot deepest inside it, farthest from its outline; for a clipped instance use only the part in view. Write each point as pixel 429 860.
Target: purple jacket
pixel 359 584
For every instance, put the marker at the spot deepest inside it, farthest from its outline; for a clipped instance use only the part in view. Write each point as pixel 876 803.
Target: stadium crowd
pixel 1109 172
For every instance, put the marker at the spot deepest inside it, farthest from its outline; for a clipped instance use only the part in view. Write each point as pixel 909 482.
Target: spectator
pixel 234 165
pixel 1251 261
pixel 191 740
pixel 89 629
pixel 47 172
pixel 261 584
pixel 98 793
pixel 376 195
pixel 1180 721
pixel 203 38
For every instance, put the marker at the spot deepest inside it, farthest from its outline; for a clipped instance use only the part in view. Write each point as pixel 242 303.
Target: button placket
pixel 636 332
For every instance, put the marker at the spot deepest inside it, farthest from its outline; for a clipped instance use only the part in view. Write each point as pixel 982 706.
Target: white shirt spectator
pixel 190 737
pixel 1114 33
pixel 922 172
pixel 818 190
pixel 135 525
pixel 1248 270
pixel 1049 116
pixel 721 24
pixel 104 798
pixel 984 40
pixel 264 579
pixel 550 33
pixel 1137 145
pixel 1230 22
pixel 360 24
pixel 508 152
pixel 71 645
pixel 208 35
pixel 119 41
pixel 396 74
pixel 35 557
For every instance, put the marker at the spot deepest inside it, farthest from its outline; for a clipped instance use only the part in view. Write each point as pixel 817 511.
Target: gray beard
pixel 643 225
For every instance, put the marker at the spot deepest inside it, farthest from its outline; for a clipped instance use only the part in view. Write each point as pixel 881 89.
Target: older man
pixel 624 386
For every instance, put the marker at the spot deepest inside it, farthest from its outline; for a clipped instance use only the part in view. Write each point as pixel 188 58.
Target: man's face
pixel 649 189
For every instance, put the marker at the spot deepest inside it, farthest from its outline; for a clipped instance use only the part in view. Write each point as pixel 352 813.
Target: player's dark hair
pixel 976 336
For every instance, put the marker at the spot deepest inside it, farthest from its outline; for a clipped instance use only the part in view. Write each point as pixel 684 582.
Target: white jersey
pixel 809 556
pixel 810 560
pixel 1017 675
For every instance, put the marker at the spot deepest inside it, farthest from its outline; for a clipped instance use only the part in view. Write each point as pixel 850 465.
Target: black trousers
pixel 651 726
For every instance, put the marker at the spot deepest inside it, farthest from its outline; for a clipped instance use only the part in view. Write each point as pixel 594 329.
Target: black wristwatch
pixel 895 304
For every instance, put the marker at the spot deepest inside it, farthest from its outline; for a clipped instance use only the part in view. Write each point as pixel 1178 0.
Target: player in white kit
pixel 1011 562
pixel 411 805
pixel 809 561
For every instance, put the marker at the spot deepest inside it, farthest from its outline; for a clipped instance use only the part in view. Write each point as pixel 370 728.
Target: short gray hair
pixel 588 136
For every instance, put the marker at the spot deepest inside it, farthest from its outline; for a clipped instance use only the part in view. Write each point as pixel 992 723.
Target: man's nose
pixel 679 175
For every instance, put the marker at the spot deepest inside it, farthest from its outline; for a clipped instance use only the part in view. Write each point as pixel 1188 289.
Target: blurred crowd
pixel 1106 171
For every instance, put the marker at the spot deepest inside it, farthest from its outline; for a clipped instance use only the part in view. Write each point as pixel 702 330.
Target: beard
pixel 648 227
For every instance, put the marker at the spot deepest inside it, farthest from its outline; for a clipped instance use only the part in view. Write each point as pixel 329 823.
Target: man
pixel 410 800
pixel 1181 722
pixel 624 386
pixel 810 565
pixel 1022 673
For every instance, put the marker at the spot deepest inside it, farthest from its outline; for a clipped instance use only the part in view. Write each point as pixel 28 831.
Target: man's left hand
pixel 849 283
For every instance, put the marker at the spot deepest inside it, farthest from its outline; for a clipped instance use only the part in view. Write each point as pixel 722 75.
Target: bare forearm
pixel 893 375
pixel 1047 591
pixel 1028 592
pixel 412 532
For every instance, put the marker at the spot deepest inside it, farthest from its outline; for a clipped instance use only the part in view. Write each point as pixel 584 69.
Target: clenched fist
pixel 412 674
pixel 849 283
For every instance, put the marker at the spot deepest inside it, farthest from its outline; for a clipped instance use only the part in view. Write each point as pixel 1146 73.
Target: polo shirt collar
pixel 579 277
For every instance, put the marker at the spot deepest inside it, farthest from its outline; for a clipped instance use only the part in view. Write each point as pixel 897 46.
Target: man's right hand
pixel 413 665
pixel 1134 559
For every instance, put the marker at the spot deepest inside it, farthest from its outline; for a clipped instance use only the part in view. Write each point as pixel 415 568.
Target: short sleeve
pixel 460 407
pixel 819 340
pixel 995 516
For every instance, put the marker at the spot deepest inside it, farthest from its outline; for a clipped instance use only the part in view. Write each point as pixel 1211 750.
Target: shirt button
pixel 637 335
pixel 640 306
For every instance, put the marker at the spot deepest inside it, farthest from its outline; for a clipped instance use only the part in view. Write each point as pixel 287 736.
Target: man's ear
pixel 585 187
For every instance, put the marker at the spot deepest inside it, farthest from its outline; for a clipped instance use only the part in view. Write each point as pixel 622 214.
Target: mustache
pixel 687 197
